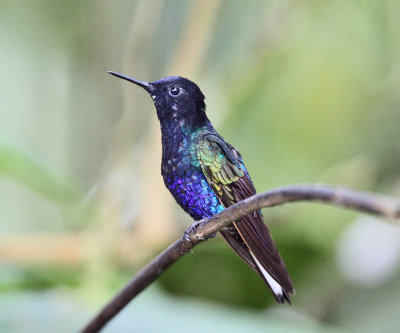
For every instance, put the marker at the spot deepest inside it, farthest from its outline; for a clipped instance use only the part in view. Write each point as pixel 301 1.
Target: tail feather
pixel 279 292
pixel 279 287
pixel 234 239
pixel 262 247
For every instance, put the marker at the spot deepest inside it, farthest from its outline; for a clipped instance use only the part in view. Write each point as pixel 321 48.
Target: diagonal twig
pixel 333 195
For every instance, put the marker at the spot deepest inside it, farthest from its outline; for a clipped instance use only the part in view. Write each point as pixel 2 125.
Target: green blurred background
pixel 308 91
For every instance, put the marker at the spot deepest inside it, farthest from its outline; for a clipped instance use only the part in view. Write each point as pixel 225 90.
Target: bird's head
pixel 177 100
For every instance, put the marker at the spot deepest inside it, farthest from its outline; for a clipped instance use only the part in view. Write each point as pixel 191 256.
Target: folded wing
pixel 225 172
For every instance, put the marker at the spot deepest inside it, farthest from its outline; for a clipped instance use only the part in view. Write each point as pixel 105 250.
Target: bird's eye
pixel 174 91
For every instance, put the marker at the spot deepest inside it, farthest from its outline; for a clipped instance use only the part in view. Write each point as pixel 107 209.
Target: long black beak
pixel 147 86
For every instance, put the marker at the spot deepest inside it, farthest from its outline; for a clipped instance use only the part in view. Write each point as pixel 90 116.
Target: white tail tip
pixel 275 286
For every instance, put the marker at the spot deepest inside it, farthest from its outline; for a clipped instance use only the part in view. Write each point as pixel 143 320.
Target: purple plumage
pixel 183 176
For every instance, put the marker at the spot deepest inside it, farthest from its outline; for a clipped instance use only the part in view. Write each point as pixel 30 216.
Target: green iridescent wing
pixel 219 170
pixel 224 170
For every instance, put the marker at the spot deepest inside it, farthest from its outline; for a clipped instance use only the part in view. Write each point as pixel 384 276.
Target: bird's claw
pixel 191 230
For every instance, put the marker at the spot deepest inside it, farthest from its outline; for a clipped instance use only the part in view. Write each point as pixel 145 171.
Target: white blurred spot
pixel 368 252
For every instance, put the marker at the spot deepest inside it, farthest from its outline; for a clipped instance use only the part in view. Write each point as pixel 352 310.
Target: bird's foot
pixel 191 230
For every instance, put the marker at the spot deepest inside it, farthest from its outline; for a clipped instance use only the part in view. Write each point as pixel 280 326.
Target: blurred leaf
pixel 38 277
pixel 33 173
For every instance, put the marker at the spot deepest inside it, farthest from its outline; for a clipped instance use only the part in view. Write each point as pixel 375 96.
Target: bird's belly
pixel 192 192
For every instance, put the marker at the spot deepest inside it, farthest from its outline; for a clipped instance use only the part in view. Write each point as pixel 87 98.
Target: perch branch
pixel 337 196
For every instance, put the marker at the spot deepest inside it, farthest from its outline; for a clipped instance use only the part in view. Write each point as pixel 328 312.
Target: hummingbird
pixel 205 175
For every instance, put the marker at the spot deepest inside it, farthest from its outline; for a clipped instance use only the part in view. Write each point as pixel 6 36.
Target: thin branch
pixel 337 196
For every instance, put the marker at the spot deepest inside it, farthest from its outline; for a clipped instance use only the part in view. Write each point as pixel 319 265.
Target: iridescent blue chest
pixel 183 175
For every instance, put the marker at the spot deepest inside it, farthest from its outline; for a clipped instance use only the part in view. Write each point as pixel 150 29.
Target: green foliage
pixel 34 174
pixel 38 278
